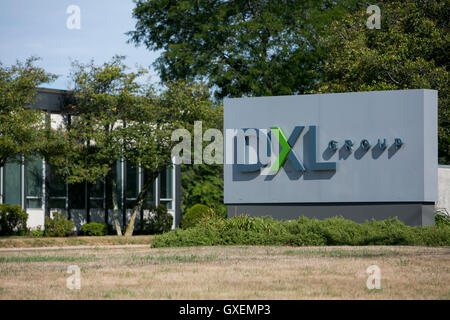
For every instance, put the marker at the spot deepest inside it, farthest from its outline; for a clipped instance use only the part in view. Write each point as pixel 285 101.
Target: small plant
pixel 95 229
pixel 442 218
pixel 58 226
pixel 196 214
pixel 37 232
pixel 13 220
pixel 158 222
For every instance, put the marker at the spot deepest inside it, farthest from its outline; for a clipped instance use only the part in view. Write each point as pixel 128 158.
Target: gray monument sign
pixel 359 155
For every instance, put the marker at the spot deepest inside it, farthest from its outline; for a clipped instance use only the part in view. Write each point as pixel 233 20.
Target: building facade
pixel 37 188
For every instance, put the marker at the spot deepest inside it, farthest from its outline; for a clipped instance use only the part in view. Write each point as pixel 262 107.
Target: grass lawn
pixel 29 242
pixel 240 272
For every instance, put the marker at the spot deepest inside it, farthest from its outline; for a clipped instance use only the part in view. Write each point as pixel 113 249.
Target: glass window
pixel 34 180
pixel 13 183
pixel 132 181
pixel 96 203
pixel 150 198
pixel 166 183
pixel 56 189
pixel 167 203
pixel 1 185
pixel 97 190
pixel 118 174
pixel 76 195
pixel 57 203
pixel 131 204
pixel 56 185
pixel 97 195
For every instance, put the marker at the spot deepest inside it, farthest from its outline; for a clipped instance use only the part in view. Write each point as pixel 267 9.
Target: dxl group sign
pixel 347 147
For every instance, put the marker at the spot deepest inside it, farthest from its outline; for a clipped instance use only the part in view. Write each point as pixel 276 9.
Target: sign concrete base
pixel 410 213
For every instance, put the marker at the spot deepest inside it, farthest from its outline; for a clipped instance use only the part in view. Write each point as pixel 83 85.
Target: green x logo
pixel 286 148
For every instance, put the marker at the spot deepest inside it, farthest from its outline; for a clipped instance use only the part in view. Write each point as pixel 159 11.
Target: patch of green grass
pixel 40 242
pixel 341 253
pixel 373 291
pixel 46 258
pixel 119 292
pixel 174 258
pixel 403 263
pixel 28 242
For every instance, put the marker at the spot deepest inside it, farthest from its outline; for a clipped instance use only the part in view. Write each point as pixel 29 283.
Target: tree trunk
pixel 139 203
pixel 115 205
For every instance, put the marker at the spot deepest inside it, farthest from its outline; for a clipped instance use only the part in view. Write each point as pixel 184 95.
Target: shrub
pixel 13 220
pixel 195 214
pixel 36 233
pixel 58 226
pixel 95 229
pixel 158 222
pixel 244 230
pixel 441 219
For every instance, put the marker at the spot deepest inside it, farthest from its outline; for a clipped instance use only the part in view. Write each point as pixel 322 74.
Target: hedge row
pixel 244 230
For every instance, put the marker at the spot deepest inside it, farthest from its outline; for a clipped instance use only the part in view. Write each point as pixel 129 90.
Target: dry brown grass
pixel 228 273
pixel 29 242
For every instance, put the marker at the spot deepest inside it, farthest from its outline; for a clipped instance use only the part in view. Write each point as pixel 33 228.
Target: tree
pixel 114 115
pixel 241 47
pixel 148 138
pixel 102 98
pixel 409 51
pixel 201 183
pixel 22 130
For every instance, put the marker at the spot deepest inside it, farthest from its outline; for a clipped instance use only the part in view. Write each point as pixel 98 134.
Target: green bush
pixel 195 214
pixel 441 219
pixel 158 222
pixel 36 233
pixel 13 220
pixel 244 230
pixel 95 229
pixel 58 226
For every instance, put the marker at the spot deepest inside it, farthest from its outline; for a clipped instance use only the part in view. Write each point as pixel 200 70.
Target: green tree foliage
pixel 195 214
pixel 13 220
pixel 114 115
pixel 58 226
pixel 103 98
pixel 241 47
pixel 95 229
pixel 202 184
pixel 254 48
pixel 158 222
pixel 148 138
pixel 410 51
pixel 22 130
